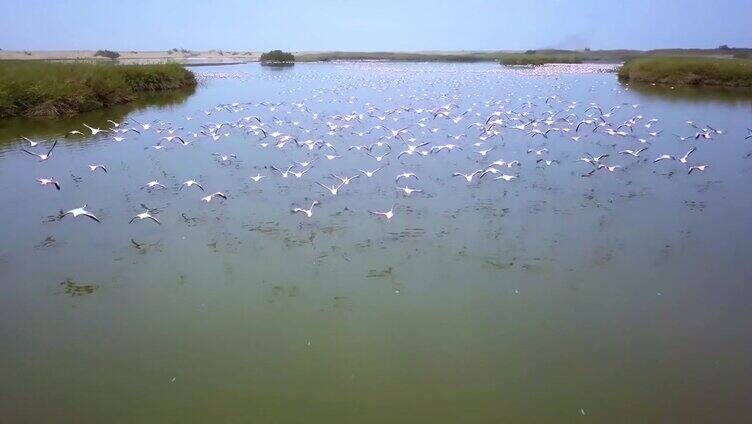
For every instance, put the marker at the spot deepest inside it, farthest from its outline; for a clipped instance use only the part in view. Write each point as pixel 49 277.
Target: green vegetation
pixel 538 59
pixel 277 56
pixel 399 57
pixel 37 88
pixel 109 54
pixel 689 70
pixel 550 55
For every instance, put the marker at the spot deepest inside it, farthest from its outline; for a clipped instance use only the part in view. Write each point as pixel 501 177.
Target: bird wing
pixel 91 215
pixel 31 153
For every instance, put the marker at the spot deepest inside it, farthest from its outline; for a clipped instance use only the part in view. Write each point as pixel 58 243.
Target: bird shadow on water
pixel 73 288
pixel 280 292
pixel 388 275
pixel 143 247
pixel 48 242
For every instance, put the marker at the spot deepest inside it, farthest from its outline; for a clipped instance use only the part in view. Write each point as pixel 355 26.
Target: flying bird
pixel 42 157
pixel 387 214
pixel 308 212
pixel 49 181
pixel 144 215
pixel 80 212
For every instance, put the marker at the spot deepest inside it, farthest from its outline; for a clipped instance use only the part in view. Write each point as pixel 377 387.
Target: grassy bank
pixel 398 56
pixel 53 89
pixel 538 56
pixel 689 71
pixel 538 59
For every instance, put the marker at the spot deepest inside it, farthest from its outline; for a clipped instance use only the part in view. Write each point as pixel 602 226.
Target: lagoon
pixel 622 297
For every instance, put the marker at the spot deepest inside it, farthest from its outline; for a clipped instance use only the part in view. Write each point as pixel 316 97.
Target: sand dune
pixel 133 57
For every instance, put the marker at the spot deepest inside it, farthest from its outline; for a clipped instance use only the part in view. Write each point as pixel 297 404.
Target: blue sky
pixel 299 25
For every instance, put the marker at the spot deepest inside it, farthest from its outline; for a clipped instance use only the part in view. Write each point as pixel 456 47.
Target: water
pixel 624 296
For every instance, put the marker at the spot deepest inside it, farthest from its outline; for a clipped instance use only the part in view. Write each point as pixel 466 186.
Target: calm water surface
pixel 622 297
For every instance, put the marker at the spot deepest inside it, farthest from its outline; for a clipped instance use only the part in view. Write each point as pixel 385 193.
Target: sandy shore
pixel 133 57
pixel 201 57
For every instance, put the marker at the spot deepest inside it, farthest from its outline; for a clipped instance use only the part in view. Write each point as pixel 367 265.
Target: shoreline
pixel 688 71
pixel 187 58
pixel 223 57
pixel 53 89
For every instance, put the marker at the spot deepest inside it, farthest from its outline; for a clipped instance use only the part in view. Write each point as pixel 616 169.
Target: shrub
pixel 108 54
pixel 277 56
pixel 537 59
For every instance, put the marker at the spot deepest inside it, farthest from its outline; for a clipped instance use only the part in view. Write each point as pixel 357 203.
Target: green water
pixel 625 296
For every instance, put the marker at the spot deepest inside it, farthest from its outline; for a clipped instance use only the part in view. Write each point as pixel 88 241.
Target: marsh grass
pixel 35 88
pixel 532 57
pixel 397 56
pixel 689 71
pixel 516 59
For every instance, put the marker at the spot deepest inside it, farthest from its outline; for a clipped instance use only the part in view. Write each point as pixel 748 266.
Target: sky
pixel 386 25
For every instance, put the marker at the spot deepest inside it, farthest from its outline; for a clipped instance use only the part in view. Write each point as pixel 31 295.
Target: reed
pixel 517 59
pixel 688 71
pixel 397 56
pixel 40 88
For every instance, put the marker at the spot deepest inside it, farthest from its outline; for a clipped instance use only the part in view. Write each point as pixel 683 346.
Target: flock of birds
pixel 398 137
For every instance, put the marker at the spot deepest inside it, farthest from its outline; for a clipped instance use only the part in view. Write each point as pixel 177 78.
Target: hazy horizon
pixel 343 25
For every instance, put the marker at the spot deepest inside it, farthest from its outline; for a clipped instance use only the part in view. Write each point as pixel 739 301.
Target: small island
pixel 725 72
pixel 109 54
pixel 51 89
pixel 532 58
pixel 277 58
